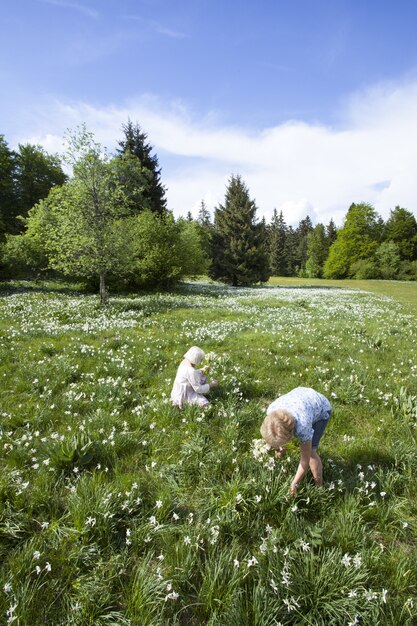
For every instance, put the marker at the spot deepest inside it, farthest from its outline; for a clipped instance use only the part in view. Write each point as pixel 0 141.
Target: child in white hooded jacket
pixel 190 386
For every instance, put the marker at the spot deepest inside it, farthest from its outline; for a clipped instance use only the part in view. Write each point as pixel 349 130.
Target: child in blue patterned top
pixel 304 413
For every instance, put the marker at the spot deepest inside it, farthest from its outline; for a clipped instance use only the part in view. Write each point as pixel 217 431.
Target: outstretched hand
pixel 293 489
pixel 213 383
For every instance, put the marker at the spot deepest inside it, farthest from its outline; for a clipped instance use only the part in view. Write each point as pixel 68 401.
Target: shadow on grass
pixel 9 288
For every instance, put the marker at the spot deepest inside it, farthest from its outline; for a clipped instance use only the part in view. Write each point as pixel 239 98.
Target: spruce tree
pixel 302 231
pixel 36 174
pixel 8 192
pixel 276 243
pixel 331 232
pixel 401 228
pixel 317 249
pixel 135 143
pixel 290 252
pixel 238 245
pixel 204 227
pixel 203 217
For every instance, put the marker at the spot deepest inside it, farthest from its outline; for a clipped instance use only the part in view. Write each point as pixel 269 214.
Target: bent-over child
pixel 304 413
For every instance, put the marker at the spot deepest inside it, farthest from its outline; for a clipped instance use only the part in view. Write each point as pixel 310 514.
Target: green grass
pixel 117 508
pixel 401 291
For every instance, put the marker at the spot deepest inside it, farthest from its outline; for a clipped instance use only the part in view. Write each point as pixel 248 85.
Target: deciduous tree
pixel 358 239
pixel 86 231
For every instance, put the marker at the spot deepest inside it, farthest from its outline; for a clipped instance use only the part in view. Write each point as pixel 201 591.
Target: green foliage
pixel 276 243
pixel 161 251
pixel 364 269
pixel 401 228
pixel 87 227
pixel 238 251
pixel 317 251
pixel 388 258
pixel 135 144
pixel 97 227
pixel 8 191
pixel 36 174
pixel 358 239
pixel 302 232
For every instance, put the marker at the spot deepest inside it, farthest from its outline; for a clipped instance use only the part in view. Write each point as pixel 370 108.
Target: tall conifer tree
pixel 36 174
pixel 203 217
pixel 302 231
pixel 135 143
pixel 238 246
pixel 317 249
pixel 331 232
pixel 290 251
pixel 8 194
pixel 276 239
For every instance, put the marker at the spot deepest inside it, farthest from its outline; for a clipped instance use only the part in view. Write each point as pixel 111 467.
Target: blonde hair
pixel 278 428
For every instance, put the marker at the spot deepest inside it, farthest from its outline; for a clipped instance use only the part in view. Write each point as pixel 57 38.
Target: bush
pixel 364 269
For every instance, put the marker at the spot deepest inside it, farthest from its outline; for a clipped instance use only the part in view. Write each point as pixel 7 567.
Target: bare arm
pixel 302 466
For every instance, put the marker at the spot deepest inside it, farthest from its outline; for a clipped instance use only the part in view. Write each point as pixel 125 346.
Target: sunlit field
pixel 119 509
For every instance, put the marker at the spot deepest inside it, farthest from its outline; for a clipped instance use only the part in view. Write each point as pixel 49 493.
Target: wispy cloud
pixel 296 167
pixel 169 32
pixel 156 26
pixel 65 4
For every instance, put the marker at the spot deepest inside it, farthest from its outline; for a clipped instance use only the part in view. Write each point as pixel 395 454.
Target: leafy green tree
pixel 358 239
pixel 135 143
pixel 238 247
pixel 364 269
pixel 86 234
pixel 388 257
pixel 317 251
pixel 8 193
pixel 161 251
pixel 36 174
pixel 401 228
pixel 277 233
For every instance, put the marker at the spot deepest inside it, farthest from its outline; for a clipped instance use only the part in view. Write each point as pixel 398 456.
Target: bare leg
pixel 316 467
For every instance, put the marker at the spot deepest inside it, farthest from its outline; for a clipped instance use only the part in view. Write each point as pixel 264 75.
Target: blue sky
pixel 314 103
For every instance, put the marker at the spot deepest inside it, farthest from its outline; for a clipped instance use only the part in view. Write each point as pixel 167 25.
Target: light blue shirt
pixel 307 406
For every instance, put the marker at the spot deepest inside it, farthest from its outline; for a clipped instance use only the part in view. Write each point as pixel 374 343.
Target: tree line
pixel 108 223
pixel 243 251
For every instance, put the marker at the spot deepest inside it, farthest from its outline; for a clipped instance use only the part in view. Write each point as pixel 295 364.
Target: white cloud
pixel 72 5
pixel 295 167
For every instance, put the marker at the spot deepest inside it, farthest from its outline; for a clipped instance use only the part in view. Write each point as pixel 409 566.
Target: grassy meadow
pixel 118 509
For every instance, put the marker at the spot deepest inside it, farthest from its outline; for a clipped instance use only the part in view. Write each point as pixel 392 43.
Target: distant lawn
pixel 401 291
